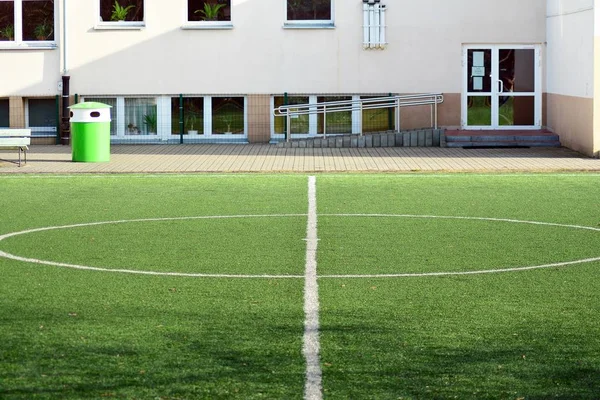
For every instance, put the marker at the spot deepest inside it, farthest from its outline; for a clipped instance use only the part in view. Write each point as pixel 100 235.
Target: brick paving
pixel 228 158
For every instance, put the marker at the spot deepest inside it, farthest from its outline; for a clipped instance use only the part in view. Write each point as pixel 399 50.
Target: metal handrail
pixel 396 102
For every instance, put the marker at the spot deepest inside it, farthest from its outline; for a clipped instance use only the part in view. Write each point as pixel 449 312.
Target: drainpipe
pixel 65 128
pixel 65 131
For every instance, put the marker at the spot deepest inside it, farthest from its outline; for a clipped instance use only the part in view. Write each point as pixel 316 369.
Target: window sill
pixel 120 26
pixel 206 26
pixel 28 46
pixel 308 25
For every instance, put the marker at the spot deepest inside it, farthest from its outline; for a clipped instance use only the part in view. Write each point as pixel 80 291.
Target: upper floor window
pixel 122 13
pixel 309 12
pixel 208 14
pixel 27 22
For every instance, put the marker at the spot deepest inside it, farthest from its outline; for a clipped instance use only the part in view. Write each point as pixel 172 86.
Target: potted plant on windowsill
pixel 210 11
pixel 227 120
pixel 151 122
pixel 43 31
pixel 190 120
pixel 119 13
pixel 8 32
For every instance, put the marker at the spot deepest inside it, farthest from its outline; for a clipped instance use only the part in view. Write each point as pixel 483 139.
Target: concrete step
pixel 474 139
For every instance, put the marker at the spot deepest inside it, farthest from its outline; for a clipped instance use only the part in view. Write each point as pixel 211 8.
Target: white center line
pixel 310 349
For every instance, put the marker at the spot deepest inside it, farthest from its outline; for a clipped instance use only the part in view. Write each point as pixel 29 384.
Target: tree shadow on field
pixel 179 363
pixel 361 361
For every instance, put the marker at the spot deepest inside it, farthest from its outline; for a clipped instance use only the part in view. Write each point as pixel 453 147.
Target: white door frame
pixel 496 87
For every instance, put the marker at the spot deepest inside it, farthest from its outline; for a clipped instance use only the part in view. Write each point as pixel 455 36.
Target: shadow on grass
pixel 376 363
pixel 254 362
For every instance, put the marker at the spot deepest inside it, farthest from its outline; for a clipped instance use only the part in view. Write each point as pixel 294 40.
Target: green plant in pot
pixel 210 11
pixel 8 32
pixel 150 121
pixel 119 13
pixel 190 121
pixel 43 31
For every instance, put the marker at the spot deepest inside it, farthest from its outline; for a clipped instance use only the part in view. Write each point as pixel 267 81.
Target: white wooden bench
pixel 16 139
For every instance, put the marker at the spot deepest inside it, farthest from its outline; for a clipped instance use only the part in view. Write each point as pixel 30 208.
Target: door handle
pixel 501 84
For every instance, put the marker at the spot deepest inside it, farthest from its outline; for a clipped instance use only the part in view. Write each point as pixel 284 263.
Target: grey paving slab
pixel 207 158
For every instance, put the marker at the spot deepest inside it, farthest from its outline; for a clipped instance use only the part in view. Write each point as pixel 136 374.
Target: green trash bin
pixel 90 132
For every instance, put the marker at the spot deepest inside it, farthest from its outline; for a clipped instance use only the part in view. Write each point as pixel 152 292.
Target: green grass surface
pixel 70 334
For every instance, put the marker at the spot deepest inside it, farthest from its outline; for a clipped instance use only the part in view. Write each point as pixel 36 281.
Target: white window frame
pixel 18 42
pixel 118 25
pixel 191 25
pixel 163 109
pixel 309 24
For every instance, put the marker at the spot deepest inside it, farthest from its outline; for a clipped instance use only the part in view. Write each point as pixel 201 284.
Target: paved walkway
pixel 269 158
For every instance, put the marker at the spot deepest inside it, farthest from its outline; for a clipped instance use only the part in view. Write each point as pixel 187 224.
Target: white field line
pixel 311 346
pixel 140 272
pixel 268 276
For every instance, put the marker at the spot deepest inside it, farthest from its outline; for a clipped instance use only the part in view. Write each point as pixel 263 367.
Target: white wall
pixel 259 56
pixel 570 50
pixel 29 73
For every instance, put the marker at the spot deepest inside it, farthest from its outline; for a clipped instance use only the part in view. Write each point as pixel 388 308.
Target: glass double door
pixel 501 87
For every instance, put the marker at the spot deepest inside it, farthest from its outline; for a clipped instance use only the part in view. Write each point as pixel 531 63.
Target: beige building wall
pixel 570 73
pixel 259 55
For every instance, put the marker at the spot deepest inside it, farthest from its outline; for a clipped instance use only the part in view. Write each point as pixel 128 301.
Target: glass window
pixel 42 117
pixel 7 20
pixel 140 116
pixel 193 115
pixel 309 10
pixel 299 123
pixel 4 113
pixel 122 11
pixel 378 119
pixel 36 20
pixel 336 122
pixel 111 101
pixel 228 115
pixel 209 10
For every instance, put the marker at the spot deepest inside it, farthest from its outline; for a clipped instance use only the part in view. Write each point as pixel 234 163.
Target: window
pixel 378 119
pixel 228 115
pixel 122 13
pixel 299 123
pixel 4 113
pixel 214 12
pixel 336 122
pixel 42 117
pixel 140 116
pixel 193 115
pixel 309 12
pixel 26 21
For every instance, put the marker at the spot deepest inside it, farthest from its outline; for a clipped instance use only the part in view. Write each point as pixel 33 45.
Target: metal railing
pixel 389 102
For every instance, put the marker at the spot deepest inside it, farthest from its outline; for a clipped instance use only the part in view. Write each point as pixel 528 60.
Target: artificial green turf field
pixel 72 334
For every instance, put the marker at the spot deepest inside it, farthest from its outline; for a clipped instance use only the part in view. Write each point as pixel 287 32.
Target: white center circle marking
pixel 267 276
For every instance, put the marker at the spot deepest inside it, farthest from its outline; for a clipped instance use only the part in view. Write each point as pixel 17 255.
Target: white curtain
pixel 137 113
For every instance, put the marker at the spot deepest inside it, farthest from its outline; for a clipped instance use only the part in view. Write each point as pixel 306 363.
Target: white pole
pixel 382 27
pixel 377 27
pixel 365 25
pixel 371 25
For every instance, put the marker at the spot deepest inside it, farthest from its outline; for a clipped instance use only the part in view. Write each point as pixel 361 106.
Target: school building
pixel 214 70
